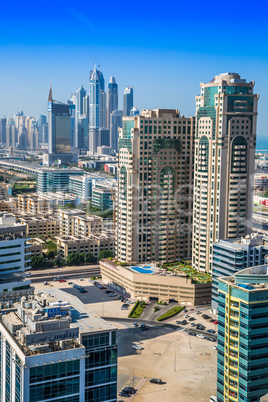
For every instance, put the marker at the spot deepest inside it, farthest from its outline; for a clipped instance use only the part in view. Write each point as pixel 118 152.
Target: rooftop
pixel 249 279
pixel 48 322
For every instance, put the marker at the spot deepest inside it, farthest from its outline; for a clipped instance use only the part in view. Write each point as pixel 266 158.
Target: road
pixel 67 272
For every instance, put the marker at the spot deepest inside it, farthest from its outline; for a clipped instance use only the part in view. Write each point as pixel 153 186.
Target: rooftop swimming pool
pixel 143 270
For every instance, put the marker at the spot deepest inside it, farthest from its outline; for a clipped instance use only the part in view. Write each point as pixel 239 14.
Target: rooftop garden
pixel 181 267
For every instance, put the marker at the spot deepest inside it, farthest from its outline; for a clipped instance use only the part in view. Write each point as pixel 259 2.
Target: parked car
pixel 200 336
pixel 125 394
pixel 137 347
pixel 129 390
pixel 156 381
pixel 184 322
pixel 186 316
pixel 192 333
pixel 211 331
pixel 192 319
pixel 178 322
pixel 215 322
pixel 198 312
pixel 144 328
pixel 135 324
pixel 192 324
pixel 82 290
pixel 215 347
pixel 45 283
pixel 62 280
pixel 70 283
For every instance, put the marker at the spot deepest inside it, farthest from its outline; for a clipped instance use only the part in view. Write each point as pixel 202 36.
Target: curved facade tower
pixel 225 141
pixel 155 181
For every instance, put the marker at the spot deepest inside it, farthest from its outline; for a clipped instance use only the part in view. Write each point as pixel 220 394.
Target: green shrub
pixel 170 313
pixel 137 309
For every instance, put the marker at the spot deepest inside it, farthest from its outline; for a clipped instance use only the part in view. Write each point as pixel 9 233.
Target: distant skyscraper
pixel 225 141
pixel 79 112
pixel 155 180
pixel 42 120
pixel 97 107
pixel 59 132
pixel 11 133
pixel 127 101
pixel 28 124
pixel 134 111
pixel 115 124
pixel 3 129
pixel 112 99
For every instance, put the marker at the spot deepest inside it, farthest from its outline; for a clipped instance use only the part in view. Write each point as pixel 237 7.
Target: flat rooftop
pixel 249 279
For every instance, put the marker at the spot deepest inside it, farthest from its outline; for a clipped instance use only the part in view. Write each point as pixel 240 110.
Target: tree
pixel 50 254
pixel 38 261
pixel 72 259
pixel 85 257
pixel 105 254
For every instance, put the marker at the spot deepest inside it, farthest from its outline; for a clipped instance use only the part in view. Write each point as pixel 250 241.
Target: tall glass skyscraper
pixel 97 107
pixel 225 141
pixel 127 101
pixel 112 98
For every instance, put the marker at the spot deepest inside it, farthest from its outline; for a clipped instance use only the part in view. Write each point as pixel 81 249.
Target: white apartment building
pixel 155 181
pixel 225 141
pixel 15 259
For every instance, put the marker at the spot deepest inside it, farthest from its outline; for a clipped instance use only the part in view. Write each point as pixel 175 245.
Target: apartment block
pixel 80 244
pixel 225 141
pixel 39 204
pixel 243 336
pixel 77 223
pixel 155 187
pixel 41 225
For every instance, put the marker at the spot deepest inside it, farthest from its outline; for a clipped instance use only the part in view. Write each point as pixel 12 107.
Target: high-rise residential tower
pixel 243 336
pixel 97 108
pixel 155 180
pixel 127 101
pixel 112 99
pixel 3 130
pixel 226 116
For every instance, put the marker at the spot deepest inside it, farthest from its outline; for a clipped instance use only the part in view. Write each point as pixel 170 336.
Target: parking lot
pixel 186 364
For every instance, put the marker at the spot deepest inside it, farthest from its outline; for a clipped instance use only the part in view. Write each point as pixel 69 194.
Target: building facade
pixel 112 99
pixel 115 124
pixel 77 223
pixel 156 284
pixel 56 354
pixel 225 141
pixel 233 255
pixel 127 101
pixel 15 259
pixel 155 180
pixel 243 336
pixel 52 179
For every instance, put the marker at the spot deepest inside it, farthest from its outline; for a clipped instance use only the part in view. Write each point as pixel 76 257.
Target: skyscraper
pixel 154 197
pixel 42 121
pixel 243 336
pixel 115 124
pixel 127 101
pixel 226 115
pixel 10 133
pixel 112 99
pixel 59 132
pixel 79 114
pixel 97 108
pixel 3 123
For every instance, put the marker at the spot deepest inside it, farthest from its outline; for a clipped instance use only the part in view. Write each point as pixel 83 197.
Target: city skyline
pixel 30 63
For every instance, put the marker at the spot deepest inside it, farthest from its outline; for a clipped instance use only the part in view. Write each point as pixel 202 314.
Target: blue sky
pixel 164 50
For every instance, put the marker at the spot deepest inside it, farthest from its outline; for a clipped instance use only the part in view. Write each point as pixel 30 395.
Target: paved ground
pixel 186 364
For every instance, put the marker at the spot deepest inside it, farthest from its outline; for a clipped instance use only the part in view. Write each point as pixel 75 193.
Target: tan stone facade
pixel 80 244
pixel 162 287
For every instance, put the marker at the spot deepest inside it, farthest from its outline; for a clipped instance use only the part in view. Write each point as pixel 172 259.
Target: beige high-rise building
pixel 225 141
pixel 155 180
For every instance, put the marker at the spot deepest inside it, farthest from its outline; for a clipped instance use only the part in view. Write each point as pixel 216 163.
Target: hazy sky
pixel 163 49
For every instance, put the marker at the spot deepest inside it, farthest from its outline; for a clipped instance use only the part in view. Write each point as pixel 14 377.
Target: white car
pixel 135 324
pixel 200 336
pixel 186 316
pixel 137 347
pixel 215 347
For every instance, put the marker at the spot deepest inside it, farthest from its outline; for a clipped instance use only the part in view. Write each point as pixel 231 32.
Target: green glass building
pixel 242 371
